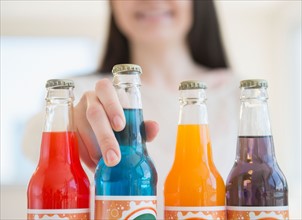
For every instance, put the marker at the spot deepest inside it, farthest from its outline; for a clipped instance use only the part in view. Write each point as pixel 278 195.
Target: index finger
pixel 108 97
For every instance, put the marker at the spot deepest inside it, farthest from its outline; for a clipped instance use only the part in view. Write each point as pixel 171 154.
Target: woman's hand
pixel 97 113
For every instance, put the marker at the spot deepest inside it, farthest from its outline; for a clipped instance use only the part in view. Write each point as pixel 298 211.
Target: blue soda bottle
pixel 127 190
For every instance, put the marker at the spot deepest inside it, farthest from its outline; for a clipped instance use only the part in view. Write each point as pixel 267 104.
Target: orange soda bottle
pixel 194 189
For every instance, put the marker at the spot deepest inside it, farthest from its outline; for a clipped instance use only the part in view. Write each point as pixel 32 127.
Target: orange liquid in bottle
pixel 193 180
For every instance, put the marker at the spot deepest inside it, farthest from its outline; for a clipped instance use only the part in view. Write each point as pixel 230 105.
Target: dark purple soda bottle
pixel 256 187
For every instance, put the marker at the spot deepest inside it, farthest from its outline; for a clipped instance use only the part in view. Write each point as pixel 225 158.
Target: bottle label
pixel 256 212
pixel 205 212
pixel 125 207
pixel 66 214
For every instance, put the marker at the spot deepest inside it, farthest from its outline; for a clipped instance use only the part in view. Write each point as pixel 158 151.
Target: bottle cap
pixel 192 84
pixel 126 69
pixel 253 83
pixel 59 83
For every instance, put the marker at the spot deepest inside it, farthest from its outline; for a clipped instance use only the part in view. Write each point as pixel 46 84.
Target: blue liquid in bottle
pixel 135 175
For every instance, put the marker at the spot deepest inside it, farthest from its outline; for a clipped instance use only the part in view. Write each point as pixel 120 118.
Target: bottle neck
pixel 193 139
pixel 132 138
pixel 59 110
pixel 259 149
pixel 193 109
pixel 59 143
pixel 255 142
pixel 128 90
pixel 254 115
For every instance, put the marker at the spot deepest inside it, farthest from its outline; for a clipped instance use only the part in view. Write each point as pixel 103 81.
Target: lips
pixel 153 15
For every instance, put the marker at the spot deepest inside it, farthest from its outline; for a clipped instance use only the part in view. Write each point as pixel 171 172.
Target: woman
pixel 172 41
pixel 155 35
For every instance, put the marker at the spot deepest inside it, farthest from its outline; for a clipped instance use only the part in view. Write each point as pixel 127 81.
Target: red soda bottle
pixel 59 187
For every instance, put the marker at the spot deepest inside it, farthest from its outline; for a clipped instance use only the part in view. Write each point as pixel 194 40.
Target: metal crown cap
pixel 59 83
pixel 192 84
pixel 126 69
pixel 253 83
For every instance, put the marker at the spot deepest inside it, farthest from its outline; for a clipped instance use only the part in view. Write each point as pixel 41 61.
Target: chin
pixel 156 37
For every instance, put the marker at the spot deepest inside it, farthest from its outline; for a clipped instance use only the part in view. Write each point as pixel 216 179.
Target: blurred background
pixel 52 39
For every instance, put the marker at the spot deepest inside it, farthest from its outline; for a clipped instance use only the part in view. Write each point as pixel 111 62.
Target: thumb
pixel 152 129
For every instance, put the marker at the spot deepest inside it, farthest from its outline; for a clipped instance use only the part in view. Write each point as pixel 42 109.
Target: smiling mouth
pixel 153 15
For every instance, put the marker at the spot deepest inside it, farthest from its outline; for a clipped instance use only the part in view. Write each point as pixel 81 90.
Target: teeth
pixel 153 13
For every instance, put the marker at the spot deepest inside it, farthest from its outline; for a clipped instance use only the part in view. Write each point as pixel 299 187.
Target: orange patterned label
pixel 260 213
pixel 125 207
pixel 66 214
pixel 208 212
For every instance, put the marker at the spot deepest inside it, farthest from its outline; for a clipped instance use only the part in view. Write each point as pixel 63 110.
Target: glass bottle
pixel 256 187
pixel 59 187
pixel 127 190
pixel 193 188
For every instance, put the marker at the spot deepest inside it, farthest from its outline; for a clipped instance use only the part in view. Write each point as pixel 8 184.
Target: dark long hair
pixel 204 40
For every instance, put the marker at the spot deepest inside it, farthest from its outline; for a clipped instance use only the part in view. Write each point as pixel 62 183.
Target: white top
pixel 162 106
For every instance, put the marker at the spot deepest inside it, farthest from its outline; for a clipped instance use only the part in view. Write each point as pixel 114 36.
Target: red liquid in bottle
pixel 59 187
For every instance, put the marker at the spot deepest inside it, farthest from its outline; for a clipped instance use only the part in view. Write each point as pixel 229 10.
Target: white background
pixel 50 39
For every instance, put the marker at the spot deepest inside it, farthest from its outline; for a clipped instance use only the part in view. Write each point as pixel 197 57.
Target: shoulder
pixel 223 94
pixel 224 78
pixel 220 80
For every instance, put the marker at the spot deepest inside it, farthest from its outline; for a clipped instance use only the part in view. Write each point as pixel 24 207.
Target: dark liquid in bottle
pixel 256 179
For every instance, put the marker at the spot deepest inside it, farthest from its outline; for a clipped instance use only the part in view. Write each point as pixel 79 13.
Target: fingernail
pixel 118 123
pixel 111 157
